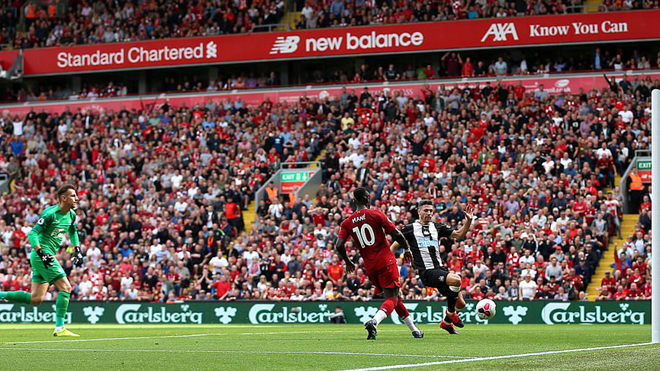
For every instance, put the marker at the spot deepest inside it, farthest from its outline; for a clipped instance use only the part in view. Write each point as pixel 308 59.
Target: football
pixel 486 309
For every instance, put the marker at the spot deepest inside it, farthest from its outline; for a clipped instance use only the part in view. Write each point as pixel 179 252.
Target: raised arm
pixel 461 232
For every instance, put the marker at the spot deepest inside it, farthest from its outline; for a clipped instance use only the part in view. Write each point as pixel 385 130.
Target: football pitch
pixel 328 347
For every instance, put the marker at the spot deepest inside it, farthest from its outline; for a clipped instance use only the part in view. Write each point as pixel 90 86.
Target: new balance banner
pixel 535 312
pixel 415 37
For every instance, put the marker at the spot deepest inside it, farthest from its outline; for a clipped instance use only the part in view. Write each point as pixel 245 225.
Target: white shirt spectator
pixel 355 142
pixel 626 116
pixel 181 206
pixel 18 128
pixel 603 152
pixel 250 256
pixel 526 260
pixel 218 263
pixel 176 180
pixel 530 272
pixel 94 254
pixel 126 282
pixel 528 288
pixel 307 12
pixel 85 288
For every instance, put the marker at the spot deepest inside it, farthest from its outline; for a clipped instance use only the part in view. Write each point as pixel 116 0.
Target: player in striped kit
pixel 423 237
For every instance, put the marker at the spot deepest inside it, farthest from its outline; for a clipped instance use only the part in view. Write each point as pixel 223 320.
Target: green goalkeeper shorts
pixel 41 274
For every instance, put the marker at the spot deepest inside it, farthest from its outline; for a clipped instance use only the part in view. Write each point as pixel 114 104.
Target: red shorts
pixel 385 278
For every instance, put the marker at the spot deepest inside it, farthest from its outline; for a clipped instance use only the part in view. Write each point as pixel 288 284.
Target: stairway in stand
pixel 289 21
pixel 249 215
pixel 627 228
pixel 592 6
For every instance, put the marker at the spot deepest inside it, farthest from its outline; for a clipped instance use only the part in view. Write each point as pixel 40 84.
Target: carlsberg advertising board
pixel 517 312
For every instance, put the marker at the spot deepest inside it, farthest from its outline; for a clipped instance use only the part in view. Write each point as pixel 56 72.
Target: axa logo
pixel 225 315
pixel 515 314
pixel 93 314
pixel 500 32
pixel 285 45
pixel 211 50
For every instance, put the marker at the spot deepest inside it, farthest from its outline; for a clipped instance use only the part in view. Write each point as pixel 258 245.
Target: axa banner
pixel 569 84
pixel 535 312
pixel 416 37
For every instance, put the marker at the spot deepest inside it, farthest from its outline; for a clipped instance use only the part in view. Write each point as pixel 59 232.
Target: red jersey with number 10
pixel 368 228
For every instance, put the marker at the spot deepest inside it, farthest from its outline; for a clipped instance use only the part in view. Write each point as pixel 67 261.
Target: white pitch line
pixel 162 337
pixel 426 364
pixel 226 351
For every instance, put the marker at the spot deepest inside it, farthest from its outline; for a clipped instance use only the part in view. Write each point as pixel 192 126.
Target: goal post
pixel 655 204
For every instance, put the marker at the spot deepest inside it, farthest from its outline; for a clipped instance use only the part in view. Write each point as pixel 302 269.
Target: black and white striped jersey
pixel 424 241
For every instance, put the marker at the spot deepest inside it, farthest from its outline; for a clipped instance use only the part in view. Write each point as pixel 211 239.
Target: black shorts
pixel 436 278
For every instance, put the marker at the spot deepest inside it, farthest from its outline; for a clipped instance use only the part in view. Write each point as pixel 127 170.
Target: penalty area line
pixel 225 351
pixel 480 359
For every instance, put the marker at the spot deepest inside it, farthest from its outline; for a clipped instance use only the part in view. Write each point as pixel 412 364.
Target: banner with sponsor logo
pixel 535 312
pixel 644 170
pixel 569 83
pixel 414 37
pixel 290 179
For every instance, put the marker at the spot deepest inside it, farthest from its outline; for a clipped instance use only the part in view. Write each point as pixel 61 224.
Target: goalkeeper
pixel 46 238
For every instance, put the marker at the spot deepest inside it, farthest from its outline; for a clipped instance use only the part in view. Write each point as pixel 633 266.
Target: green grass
pixel 322 347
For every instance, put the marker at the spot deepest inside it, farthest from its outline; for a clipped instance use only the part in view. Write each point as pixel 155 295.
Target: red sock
pixel 401 309
pixel 388 305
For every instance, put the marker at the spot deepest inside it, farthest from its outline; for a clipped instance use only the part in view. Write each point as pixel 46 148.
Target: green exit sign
pixel 294 177
pixel 643 165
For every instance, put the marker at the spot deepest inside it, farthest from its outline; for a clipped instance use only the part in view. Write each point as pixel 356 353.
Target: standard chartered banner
pixel 535 312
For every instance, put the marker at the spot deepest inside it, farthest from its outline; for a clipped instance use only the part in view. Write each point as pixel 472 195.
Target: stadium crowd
pixel 452 64
pixel 163 191
pixel 30 24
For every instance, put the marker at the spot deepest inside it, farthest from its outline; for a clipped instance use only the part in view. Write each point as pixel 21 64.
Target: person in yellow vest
pixel 30 13
pixel 636 190
pixel 271 192
pixel 292 195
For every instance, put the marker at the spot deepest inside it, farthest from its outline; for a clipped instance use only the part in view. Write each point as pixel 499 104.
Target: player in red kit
pixel 367 228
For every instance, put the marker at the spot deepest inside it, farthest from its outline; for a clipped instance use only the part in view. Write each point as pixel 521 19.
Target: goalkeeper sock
pixel 61 307
pixel 22 297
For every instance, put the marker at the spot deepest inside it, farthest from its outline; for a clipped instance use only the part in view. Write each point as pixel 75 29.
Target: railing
pixel 4 182
pixel 299 165
pixel 260 194
pixel 572 9
pixel 270 27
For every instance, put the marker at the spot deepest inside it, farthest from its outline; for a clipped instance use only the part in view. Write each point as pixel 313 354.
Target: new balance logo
pixel 285 45
pixel 499 31
pixel 211 50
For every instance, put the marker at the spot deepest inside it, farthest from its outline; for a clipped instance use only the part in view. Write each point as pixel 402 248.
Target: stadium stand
pixel 451 65
pixel 164 191
pixel 33 24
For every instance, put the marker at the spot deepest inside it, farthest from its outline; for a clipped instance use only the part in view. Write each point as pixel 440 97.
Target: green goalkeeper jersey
pixel 50 228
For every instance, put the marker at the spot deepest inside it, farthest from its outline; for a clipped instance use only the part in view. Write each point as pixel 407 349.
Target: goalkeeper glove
pixel 77 257
pixel 45 258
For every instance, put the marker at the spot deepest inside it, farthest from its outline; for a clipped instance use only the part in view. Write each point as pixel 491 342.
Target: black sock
pixel 452 298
